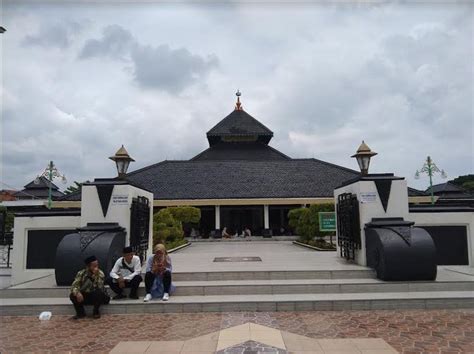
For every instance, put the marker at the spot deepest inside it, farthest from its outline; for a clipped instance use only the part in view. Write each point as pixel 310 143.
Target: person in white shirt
pixel 126 273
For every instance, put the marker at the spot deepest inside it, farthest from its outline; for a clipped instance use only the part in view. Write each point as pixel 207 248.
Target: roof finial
pixel 238 105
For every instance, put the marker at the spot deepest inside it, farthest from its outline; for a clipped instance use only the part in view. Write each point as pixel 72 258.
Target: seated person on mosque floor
pixel 126 273
pixel 88 289
pixel 158 275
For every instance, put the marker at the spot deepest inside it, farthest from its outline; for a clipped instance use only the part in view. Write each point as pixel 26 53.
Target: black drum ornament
pixel 103 240
pixel 398 251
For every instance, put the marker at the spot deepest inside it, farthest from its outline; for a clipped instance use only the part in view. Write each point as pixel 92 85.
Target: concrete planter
pixel 179 247
pixel 313 247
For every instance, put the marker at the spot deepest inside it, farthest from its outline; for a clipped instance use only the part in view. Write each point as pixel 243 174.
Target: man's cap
pixel 90 259
pixel 127 249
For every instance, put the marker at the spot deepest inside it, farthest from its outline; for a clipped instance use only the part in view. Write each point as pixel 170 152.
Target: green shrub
pixel 168 224
pixel 186 214
pixel 305 221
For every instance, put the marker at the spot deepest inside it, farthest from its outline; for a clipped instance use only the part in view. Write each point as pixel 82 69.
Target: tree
pixel 74 187
pixel 305 221
pixel 466 182
pixel 168 224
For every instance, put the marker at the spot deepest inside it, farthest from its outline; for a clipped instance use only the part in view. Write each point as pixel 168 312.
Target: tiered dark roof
pixel 296 178
pixel 239 164
pixel 39 189
pixel 241 151
pixel 239 124
pixel 450 190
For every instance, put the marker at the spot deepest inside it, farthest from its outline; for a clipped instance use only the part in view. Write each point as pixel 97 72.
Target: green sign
pixel 327 221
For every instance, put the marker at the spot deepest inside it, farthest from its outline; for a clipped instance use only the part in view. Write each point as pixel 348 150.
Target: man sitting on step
pixel 88 289
pixel 126 274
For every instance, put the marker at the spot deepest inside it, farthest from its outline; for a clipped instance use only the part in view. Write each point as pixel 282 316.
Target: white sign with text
pixel 368 197
pixel 120 199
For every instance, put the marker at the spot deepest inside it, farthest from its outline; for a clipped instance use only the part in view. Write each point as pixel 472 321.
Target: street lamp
pixel 430 168
pixel 363 156
pixel 2 29
pixel 50 172
pixel 122 159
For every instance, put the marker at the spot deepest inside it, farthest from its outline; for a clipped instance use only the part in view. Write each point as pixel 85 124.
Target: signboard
pixel 120 199
pixel 327 221
pixel 368 197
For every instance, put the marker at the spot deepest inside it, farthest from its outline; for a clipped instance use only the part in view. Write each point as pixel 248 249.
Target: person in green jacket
pixel 88 289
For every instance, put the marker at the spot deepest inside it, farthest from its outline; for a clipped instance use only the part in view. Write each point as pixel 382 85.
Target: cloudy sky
pixel 79 80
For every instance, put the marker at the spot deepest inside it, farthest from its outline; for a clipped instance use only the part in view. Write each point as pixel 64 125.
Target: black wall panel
pixel 450 243
pixel 42 245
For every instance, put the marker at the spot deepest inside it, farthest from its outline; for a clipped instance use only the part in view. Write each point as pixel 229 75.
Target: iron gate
pixel 348 225
pixel 139 225
pixel 6 241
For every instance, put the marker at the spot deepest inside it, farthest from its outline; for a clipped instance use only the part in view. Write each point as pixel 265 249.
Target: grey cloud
pixel 161 68
pixel 116 42
pixel 169 69
pixel 58 35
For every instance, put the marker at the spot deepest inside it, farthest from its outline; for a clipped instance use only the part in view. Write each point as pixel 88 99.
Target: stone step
pixel 271 287
pixel 274 275
pixel 232 303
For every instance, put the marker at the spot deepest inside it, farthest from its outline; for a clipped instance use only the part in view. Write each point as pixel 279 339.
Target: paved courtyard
pixel 408 331
pixel 275 255
pixel 376 332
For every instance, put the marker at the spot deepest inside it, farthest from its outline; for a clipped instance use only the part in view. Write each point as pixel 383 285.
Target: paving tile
pixel 434 330
pixel 336 344
pixel 223 344
pixel 165 346
pixel 273 339
pixel 370 343
pixel 132 347
pixel 198 346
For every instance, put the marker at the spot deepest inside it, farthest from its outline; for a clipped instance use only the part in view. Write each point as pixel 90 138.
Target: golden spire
pixel 238 105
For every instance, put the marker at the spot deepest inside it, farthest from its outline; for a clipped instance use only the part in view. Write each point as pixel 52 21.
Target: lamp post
pixel 50 172
pixel 430 168
pixel 122 160
pixel 363 156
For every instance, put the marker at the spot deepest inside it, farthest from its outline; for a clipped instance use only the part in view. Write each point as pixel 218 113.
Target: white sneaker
pixel 147 298
pixel 166 297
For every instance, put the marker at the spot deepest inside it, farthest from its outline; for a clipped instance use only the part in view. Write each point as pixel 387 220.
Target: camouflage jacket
pixel 86 282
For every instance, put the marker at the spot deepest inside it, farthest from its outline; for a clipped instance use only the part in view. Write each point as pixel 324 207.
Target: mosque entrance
pixel 237 218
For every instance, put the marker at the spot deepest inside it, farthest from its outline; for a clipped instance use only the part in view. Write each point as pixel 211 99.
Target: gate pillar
pixel 114 214
pixel 371 229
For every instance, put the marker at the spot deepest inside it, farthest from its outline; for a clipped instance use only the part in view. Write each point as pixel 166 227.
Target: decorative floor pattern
pixel 251 338
pixel 252 347
pixel 408 331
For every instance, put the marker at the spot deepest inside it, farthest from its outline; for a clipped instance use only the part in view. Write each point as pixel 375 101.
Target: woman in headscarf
pixel 158 275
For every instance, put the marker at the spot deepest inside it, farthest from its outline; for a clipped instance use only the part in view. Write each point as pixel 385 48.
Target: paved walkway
pixel 253 338
pixel 407 331
pixel 275 256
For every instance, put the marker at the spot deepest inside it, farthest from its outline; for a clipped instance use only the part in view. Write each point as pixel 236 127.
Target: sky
pixel 81 79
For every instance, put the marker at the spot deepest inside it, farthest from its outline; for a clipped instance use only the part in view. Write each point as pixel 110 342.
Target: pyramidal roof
pixel 41 183
pixel 239 124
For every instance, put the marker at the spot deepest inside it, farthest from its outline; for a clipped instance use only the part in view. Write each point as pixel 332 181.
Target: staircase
pixel 231 291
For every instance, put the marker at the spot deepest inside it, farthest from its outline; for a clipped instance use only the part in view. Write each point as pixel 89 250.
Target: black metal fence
pixel 348 225
pixel 6 246
pixel 139 226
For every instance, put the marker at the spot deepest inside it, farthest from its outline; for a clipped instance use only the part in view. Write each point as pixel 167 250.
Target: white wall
pixel 397 207
pixel 119 208
pixel 20 242
pixel 449 219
